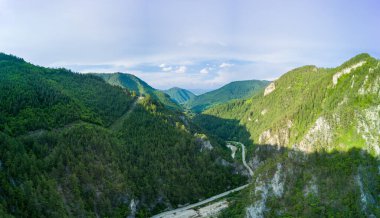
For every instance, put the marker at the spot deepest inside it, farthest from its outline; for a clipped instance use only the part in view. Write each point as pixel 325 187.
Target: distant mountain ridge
pixel 180 95
pixel 231 91
pixel 137 85
pixel 179 98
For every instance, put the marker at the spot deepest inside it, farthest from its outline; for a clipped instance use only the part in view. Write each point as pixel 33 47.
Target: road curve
pixel 191 206
pixel 243 157
pixel 244 162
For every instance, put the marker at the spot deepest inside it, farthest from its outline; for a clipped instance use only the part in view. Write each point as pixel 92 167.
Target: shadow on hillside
pixel 317 184
pixel 226 129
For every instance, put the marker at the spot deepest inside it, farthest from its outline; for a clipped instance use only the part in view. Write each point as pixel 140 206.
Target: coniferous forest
pixel 62 157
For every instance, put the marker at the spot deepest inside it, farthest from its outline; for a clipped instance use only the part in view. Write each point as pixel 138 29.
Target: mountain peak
pixel 180 95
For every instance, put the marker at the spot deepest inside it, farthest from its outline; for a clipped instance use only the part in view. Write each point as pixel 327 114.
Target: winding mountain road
pixel 173 213
pixel 243 158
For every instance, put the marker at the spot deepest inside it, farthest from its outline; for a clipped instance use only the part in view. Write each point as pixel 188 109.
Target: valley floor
pixel 194 211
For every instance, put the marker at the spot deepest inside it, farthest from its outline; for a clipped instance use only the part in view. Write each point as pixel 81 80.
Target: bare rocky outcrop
pixel 362 89
pixel 320 133
pixel 277 182
pixel 352 81
pixel 366 198
pixel 278 137
pixel 372 87
pixel 270 88
pixel 258 208
pixel 133 208
pixel 263 112
pixel 203 141
pixel 265 187
pixel 369 127
pixel 346 71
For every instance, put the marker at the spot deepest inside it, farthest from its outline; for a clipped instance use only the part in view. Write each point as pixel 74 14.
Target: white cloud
pixel 162 65
pixel 204 71
pixel 181 69
pixel 225 65
pixel 166 69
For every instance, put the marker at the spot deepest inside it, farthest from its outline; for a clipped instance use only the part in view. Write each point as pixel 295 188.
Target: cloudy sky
pixel 196 44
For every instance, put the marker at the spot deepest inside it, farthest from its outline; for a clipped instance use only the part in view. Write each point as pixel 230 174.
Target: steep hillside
pixel 62 156
pixel 138 86
pixel 233 90
pixel 179 95
pixel 41 98
pixel 316 136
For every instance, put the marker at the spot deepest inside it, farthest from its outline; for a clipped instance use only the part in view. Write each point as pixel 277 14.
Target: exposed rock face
pixel 320 133
pixel 270 88
pixel 133 208
pixel 366 198
pixel 266 187
pixel 369 128
pixel 278 138
pixel 362 89
pixel 346 71
pixel 204 142
pixel 372 87
pixel 352 81
pixel 257 210
pixel 277 182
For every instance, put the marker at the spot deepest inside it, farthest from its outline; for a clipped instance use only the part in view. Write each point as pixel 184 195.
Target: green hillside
pixel 62 156
pixel 231 91
pixel 134 84
pixel 316 142
pixel 179 95
pixel 41 98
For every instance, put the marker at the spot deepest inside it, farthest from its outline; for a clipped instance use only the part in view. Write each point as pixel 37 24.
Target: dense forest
pixel 61 155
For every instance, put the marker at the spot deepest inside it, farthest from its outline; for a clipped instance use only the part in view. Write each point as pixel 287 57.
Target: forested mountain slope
pixel 41 98
pixel 179 95
pixel 316 133
pixel 59 156
pixel 138 86
pixel 231 91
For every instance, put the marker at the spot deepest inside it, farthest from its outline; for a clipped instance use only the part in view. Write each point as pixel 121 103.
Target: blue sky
pixel 195 44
